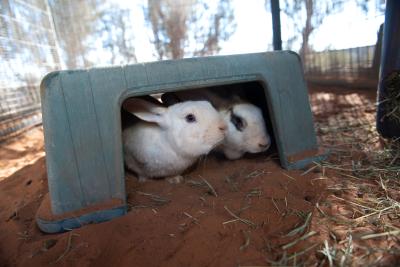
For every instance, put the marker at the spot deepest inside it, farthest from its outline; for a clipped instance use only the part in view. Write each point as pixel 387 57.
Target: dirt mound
pixel 227 213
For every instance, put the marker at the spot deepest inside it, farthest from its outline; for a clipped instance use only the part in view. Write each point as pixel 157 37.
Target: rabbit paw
pixel 175 179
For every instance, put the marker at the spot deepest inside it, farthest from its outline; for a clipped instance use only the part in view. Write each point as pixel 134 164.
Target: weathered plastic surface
pixel 81 116
pixel 69 223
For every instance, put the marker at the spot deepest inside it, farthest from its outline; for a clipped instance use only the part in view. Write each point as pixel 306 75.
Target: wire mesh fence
pixel 340 67
pixel 40 36
pixel 28 49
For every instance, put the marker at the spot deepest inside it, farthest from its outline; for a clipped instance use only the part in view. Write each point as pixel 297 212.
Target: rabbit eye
pixel 190 118
pixel 237 121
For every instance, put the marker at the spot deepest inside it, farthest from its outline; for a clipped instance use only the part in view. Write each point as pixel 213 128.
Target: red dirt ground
pixel 174 225
pixel 189 230
pixel 21 151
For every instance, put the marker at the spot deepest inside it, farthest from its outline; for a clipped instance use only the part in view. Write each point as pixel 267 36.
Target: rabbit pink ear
pixel 145 110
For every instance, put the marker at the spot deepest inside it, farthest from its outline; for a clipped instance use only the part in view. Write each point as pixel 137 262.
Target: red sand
pixel 189 230
pixel 20 151
pixel 192 228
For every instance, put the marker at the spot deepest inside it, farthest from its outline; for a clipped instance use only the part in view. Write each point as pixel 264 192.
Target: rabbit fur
pixel 246 131
pixel 167 140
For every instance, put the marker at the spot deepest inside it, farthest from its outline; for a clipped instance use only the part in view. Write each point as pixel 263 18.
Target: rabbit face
pixel 194 127
pixel 246 129
pixel 167 140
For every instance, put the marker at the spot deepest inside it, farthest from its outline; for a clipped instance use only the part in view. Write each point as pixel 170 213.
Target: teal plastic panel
pixel 109 84
pixel 65 189
pixel 81 116
pixel 85 133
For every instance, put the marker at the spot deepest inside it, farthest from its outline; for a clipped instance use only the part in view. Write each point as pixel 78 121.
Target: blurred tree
pixel 189 27
pixel 116 33
pixel 308 15
pixel 75 22
pixel 315 12
pixel 222 26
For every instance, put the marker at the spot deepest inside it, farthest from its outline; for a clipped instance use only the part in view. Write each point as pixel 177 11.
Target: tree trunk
pixel 307 29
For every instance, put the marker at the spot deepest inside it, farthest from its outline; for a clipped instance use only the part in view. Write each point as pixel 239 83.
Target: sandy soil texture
pixel 248 212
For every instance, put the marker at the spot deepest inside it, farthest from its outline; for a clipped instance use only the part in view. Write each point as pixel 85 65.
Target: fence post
pixel 389 126
pixel 276 24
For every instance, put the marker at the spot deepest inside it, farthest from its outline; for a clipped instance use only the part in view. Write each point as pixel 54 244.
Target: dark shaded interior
pixel 254 92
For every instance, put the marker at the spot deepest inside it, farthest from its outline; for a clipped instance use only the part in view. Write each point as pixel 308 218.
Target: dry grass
pixel 153 201
pixel 237 218
pixel 202 183
pixel 392 101
pixel 361 213
pixel 358 221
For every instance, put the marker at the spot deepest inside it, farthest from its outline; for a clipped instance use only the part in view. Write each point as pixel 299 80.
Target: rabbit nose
pixel 222 127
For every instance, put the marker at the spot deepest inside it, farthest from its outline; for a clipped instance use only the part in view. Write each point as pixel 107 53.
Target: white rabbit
pixel 168 140
pixel 246 126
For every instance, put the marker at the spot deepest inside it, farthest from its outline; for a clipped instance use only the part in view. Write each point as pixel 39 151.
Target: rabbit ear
pixel 145 110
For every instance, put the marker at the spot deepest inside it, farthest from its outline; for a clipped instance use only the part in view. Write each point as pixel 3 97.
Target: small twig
pixel 256 192
pixel 67 249
pixel 348 252
pixel 304 237
pixel 302 227
pixel 394 159
pixel 23 235
pixel 327 252
pixel 319 209
pixel 229 179
pixel 395 232
pixel 139 206
pixel 255 173
pixel 318 178
pixel 230 221
pixel 356 204
pixel 247 240
pixel 310 169
pixel 296 254
pixel 195 220
pixel 361 169
pixel 154 197
pixel 372 213
pixel 250 223
pixel 285 258
pixel 212 190
pixel 288 176
pixel 276 206
pixel 243 209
